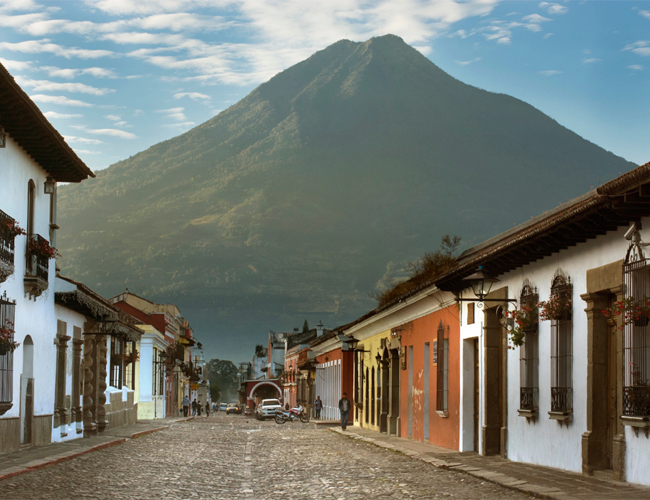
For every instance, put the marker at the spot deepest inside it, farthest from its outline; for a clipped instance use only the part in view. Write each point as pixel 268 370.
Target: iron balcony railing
pixel 6 239
pixel 38 264
pixel 528 398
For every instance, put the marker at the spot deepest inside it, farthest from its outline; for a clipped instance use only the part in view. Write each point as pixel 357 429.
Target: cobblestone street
pixel 235 457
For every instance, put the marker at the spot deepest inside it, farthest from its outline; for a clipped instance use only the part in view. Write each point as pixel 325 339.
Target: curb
pixel 503 480
pixel 98 447
pixel 62 458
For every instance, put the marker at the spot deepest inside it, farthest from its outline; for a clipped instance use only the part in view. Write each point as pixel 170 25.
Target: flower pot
pixel 643 321
pixel 4 349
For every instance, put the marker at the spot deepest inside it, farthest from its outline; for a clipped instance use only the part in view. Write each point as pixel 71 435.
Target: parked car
pixel 223 406
pixel 267 408
pixel 233 408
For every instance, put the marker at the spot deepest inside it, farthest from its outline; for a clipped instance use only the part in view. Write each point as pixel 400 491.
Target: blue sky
pixel 117 76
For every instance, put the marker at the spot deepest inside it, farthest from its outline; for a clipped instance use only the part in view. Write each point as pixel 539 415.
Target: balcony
pixel 7 236
pixel 37 265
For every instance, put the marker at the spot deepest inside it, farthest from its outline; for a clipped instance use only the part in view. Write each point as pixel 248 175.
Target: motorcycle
pixel 292 415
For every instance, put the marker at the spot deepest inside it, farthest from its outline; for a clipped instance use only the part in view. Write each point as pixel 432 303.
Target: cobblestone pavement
pixel 234 457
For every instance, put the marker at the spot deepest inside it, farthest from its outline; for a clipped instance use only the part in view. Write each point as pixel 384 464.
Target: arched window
pixel 31 196
pixel 559 308
pixel 529 356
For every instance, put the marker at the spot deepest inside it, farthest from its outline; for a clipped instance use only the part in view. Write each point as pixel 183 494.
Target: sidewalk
pixel 541 482
pixel 31 458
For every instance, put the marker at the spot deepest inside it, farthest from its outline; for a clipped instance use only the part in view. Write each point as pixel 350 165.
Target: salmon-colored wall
pixel 443 431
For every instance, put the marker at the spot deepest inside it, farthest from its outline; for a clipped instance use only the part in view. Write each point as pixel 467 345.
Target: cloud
pixel 113 132
pixel 645 13
pixel 535 18
pixel 60 116
pixel 465 63
pixel 553 8
pixel 196 96
pixel 550 72
pixel 174 113
pixel 641 48
pixel 82 140
pixel 114 118
pixel 590 60
pixel 61 100
pixel 69 73
pixel 48 86
pixel 40 46
pixel 179 125
pixel 87 152
pixel 548 35
pixel 635 67
pixel 138 112
pixel 16 65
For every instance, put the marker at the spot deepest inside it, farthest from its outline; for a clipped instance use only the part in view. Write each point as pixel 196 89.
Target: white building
pixel 33 158
pixel 576 394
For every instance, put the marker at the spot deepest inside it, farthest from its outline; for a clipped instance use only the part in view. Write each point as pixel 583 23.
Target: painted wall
pixel 334 373
pixel 544 441
pixel 372 345
pixel 443 430
pixel 33 317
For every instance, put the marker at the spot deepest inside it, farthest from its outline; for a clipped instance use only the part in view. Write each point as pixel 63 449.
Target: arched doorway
pixel 27 392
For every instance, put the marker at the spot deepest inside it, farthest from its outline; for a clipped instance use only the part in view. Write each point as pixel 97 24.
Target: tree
pixel 224 375
pixel 259 351
pixel 305 327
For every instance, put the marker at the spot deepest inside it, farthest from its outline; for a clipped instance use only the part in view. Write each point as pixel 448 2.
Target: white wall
pixel 71 319
pixel 544 441
pixel 33 317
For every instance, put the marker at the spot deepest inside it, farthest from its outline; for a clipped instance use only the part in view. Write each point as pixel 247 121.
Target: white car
pixel 267 408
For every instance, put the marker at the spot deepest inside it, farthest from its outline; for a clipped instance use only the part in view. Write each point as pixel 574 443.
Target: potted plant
pixel 7 342
pixel 132 357
pixel 525 319
pixel 557 307
pixel 41 248
pixel 11 228
pixel 632 311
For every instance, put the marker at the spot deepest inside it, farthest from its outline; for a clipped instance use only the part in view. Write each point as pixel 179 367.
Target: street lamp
pixel 481 282
pixel 48 186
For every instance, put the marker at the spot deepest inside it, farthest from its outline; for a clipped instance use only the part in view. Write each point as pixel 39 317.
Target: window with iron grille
pixel 562 347
pixel 636 339
pixel 7 315
pixel 442 397
pixel 117 362
pixel 529 356
pixel 129 368
pixel 156 376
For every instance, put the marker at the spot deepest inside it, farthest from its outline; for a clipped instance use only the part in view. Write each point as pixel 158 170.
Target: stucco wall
pixel 544 441
pixel 33 317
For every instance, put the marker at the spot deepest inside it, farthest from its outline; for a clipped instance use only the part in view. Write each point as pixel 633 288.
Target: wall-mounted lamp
pixel 3 138
pixel 49 185
pixel 481 282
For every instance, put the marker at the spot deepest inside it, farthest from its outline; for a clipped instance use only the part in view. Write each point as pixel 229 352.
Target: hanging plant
pixel 633 312
pixel 11 228
pixel 557 307
pixel 526 320
pixel 7 342
pixel 41 248
pixel 132 357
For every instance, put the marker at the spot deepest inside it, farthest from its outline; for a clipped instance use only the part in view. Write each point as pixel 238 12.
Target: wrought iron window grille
pixel 442 379
pixel 7 249
pixel 529 358
pixel 562 351
pixel 7 316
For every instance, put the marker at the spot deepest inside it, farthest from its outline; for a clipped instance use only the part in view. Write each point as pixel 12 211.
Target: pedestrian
pixel 318 406
pixel 186 406
pixel 207 409
pixel 344 408
pixel 199 407
pixel 194 408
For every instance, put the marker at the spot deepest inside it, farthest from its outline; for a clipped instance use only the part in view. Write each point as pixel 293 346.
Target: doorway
pixel 476 392
pixel 27 392
pixel 494 427
pixel 611 394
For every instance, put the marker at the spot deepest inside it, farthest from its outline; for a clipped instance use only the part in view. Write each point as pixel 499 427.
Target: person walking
pixel 199 407
pixel 344 408
pixel 207 409
pixel 194 408
pixel 318 406
pixel 186 406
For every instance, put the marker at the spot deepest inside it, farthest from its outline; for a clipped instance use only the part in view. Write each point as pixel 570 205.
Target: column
pixel 89 386
pixel 61 358
pixel 393 396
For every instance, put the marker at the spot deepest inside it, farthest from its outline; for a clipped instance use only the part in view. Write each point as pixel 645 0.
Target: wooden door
pixel 476 395
pixel 611 393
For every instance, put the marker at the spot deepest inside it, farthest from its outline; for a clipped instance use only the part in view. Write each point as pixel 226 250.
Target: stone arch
pixel 252 391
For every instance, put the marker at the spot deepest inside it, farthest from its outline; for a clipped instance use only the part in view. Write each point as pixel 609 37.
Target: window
pixel 442 398
pixel 529 358
pixel 470 313
pixel 636 339
pixel 7 314
pixel 562 347
pixel 117 362
pixel 129 367
pixel 31 193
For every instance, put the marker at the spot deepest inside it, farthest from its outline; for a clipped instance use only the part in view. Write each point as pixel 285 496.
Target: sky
pixel 117 76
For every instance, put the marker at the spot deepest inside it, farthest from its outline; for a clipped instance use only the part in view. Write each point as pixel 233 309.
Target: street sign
pixel 195 387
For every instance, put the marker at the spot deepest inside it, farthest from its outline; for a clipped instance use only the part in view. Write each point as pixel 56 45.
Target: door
pixel 476 395
pixel 611 394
